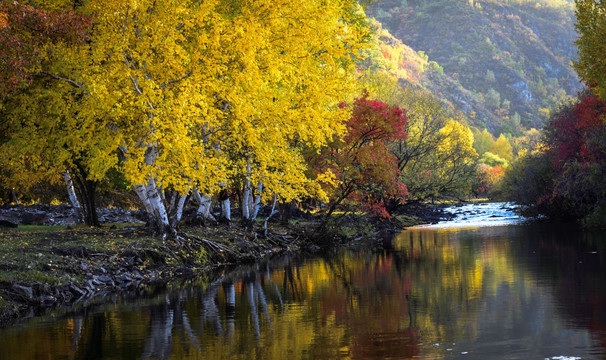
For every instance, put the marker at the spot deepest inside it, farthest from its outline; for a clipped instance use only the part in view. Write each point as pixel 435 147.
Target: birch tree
pixel 184 95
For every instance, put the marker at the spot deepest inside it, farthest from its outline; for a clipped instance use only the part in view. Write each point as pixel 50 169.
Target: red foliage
pixel 367 171
pixel 23 30
pixel 573 132
pixel 486 177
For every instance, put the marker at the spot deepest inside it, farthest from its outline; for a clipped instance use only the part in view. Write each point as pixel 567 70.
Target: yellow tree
pixel 185 83
pixel 502 147
pixel 167 90
pixel 295 66
pixel 157 69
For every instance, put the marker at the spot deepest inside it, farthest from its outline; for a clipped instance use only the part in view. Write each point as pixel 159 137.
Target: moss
pixel 407 220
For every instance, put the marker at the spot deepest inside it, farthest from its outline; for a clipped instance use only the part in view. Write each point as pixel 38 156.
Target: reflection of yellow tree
pixel 433 288
pixel 453 279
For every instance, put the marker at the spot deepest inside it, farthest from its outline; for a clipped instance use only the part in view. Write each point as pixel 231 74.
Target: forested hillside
pixel 512 57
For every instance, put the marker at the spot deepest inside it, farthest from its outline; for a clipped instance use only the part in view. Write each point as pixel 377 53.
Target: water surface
pixel 505 292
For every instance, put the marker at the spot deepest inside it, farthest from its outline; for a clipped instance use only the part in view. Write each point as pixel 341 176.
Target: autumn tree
pixel 502 147
pixel 279 108
pixel 436 158
pixel 365 172
pixel 166 91
pixel 45 138
pixel 564 178
pixel 422 154
pixel 487 176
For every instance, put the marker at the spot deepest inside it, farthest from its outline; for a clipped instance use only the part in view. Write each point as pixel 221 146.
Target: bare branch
pixel 169 82
pixel 57 77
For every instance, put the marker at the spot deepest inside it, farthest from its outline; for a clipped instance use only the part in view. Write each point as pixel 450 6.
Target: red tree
pixel 366 171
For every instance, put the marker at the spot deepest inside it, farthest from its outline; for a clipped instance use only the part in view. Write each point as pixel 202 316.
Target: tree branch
pixel 57 77
pixel 169 82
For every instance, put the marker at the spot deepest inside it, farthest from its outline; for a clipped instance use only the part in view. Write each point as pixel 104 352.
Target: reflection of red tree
pixel 372 301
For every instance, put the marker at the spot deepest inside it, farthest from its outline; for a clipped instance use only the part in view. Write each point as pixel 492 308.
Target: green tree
pixel 591 26
pixel 483 141
pixel 493 159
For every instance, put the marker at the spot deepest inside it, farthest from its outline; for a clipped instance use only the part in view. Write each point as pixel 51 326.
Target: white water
pixel 479 215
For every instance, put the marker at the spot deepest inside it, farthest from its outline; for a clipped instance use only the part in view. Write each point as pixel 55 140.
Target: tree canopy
pixel 591 26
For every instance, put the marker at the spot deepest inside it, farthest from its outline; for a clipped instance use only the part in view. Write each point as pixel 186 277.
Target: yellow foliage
pixel 3 20
pixel 188 93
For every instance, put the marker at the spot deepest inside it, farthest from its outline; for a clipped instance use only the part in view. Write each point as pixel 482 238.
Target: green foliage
pixel 493 98
pixel 493 159
pixel 591 25
pixel 483 141
pixel 596 218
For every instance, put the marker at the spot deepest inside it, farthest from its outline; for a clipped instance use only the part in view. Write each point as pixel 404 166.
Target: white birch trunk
pixel 73 199
pixel 152 200
pixel 256 204
pixel 272 213
pixel 15 199
pixel 180 206
pixel 204 206
pixel 226 209
pixel 140 190
pixel 246 195
pixel 155 198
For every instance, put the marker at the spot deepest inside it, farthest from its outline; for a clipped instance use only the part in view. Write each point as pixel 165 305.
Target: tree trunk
pixel 14 195
pixel 180 206
pixel 250 205
pixel 272 213
pixel 204 208
pixel 86 190
pixel 156 209
pixel 285 212
pixel 225 206
pixel 256 204
pixel 73 198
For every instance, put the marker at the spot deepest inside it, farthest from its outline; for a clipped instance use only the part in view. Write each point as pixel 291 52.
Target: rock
pixel 47 300
pixel 77 290
pixel 24 291
pixel 33 218
pixel 125 278
pixel 84 266
pixel 90 286
pixel 104 278
pixel 7 224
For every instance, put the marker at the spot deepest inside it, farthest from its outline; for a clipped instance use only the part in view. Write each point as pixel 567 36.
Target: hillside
pixel 505 64
pixel 414 70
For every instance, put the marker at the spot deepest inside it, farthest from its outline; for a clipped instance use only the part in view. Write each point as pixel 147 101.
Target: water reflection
pixel 516 292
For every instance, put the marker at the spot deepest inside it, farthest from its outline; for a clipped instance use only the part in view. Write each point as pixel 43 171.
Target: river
pixel 491 287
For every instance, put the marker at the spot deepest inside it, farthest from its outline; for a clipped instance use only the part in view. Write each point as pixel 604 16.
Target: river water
pixel 496 288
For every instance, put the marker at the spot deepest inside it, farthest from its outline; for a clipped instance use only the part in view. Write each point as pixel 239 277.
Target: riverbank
pixel 44 266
